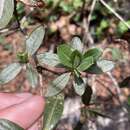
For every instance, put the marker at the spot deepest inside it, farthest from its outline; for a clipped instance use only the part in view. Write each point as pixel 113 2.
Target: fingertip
pixel 38 101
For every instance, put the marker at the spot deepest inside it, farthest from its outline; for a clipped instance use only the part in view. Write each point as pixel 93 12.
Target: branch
pixel 91 12
pixel 86 25
pixel 119 92
pixel 52 69
pixel 56 70
pixel 115 13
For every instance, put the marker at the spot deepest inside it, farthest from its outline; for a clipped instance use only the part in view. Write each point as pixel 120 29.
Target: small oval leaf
pixel 86 97
pixel 79 86
pixel 35 40
pixel 76 58
pixel 85 64
pixel 32 75
pixel 64 53
pixel 94 69
pixel 57 85
pixel 105 65
pixel 116 54
pixel 94 52
pixel 6 12
pixel 53 111
pixel 77 44
pixel 48 58
pixel 8 125
pixel 10 72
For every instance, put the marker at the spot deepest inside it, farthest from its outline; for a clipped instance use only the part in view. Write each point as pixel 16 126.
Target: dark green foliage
pixel 22 57
pixel 86 97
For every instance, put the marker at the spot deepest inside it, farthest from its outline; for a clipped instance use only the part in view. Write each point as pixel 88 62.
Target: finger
pixel 34 127
pixel 8 99
pixel 25 113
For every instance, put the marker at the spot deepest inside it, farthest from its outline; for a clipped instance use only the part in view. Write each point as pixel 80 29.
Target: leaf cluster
pixel 76 62
pixel 32 43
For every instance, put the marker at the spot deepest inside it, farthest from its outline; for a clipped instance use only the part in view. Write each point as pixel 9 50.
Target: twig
pixel 115 13
pixel 53 69
pixel 115 83
pixel 86 25
pixel 119 93
pixel 91 12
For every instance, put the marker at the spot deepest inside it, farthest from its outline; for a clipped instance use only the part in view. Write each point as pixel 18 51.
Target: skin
pixel 24 109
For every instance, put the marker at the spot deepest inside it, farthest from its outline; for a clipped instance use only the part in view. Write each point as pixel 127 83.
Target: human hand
pixel 23 109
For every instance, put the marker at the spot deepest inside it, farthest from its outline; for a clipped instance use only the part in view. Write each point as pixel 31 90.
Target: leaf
pixel 105 65
pixel 57 85
pixel 64 52
pixel 8 125
pixel 121 27
pixel 76 58
pixel 48 58
pixel 125 82
pixel 85 64
pixel 6 12
pixel 76 73
pixel 35 39
pixel 101 114
pixel 53 111
pixel 79 85
pixel 32 76
pixel 94 52
pixel 86 97
pixel 77 44
pixel 129 100
pixel 22 57
pixel 116 54
pixel 94 69
pixel 10 72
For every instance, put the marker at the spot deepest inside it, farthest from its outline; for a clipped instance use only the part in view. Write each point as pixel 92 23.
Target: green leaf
pixel 105 65
pixel 77 3
pixel 129 100
pixel 53 111
pixel 85 64
pixel 76 73
pixel 94 52
pixel 32 75
pixel 104 24
pixel 10 72
pixel 8 125
pixel 79 85
pixel 94 69
pixel 57 85
pixel 86 97
pixel 35 39
pixel 6 12
pixel 48 58
pixel 121 27
pixel 22 57
pixel 116 54
pixel 64 52
pixel 76 58
pixel 99 113
pixel 77 44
